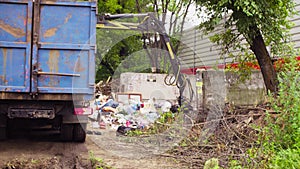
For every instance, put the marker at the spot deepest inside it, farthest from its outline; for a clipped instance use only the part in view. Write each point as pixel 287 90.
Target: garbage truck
pixel 47 67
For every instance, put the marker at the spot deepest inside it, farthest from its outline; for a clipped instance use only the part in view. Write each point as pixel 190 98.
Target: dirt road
pixel 55 154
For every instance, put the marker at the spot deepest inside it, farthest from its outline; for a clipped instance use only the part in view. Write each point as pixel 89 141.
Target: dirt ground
pixel 231 139
pixel 46 152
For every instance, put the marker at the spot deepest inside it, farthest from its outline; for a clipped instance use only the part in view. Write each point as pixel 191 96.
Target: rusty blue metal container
pixel 47 65
pixel 47 46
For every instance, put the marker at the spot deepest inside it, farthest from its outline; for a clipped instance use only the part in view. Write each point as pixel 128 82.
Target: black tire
pixel 66 133
pixel 3 134
pixel 3 127
pixel 79 134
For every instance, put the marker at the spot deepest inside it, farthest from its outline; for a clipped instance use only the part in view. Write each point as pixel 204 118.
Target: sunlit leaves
pixel 270 16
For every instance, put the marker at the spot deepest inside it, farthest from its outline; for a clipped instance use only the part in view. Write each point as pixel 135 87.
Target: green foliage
pixel 249 27
pixel 93 159
pixel 132 133
pixel 164 122
pixel 212 163
pixel 286 158
pixel 109 6
pixel 113 47
pixel 245 19
pixel 287 122
pixel 160 125
pixel 269 15
pixel 235 164
pixel 280 138
pixel 97 163
pixel 122 6
pixel 167 117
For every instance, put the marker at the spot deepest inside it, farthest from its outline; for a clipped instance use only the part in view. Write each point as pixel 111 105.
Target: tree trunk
pixel 264 60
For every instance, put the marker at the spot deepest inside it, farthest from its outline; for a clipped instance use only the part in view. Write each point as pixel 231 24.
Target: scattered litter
pixel 127 115
pixel 95 124
pixel 102 125
pixel 122 130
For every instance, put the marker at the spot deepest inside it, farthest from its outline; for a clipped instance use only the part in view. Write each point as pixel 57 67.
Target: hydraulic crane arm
pixel 107 22
pixel 148 23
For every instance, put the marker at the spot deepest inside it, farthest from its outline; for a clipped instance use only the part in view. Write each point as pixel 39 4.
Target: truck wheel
pixel 79 132
pixel 66 133
pixel 2 133
pixel 3 127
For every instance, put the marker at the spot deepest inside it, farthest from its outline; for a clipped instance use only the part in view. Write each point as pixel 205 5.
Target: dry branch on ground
pixel 236 132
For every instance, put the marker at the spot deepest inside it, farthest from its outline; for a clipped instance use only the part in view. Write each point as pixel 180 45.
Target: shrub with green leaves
pixel 281 135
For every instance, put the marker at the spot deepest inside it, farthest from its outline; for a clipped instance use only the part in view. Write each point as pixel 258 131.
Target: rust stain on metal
pixel 50 32
pixel 68 18
pixel 10 57
pixel 3 77
pixel 67 61
pixel 28 38
pixel 79 67
pixel 53 60
pixel 3 80
pixel 53 65
pixel 51 1
pixel 16 32
pixel 29 33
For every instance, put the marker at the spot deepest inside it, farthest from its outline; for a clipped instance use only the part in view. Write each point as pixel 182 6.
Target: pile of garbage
pixel 127 115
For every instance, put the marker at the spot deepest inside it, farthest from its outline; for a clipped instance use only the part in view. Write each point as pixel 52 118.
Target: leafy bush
pixel 286 158
pixel 281 136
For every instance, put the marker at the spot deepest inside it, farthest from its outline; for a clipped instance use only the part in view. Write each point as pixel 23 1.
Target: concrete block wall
pixel 219 87
pixel 250 92
pixel 149 85
pixel 224 87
